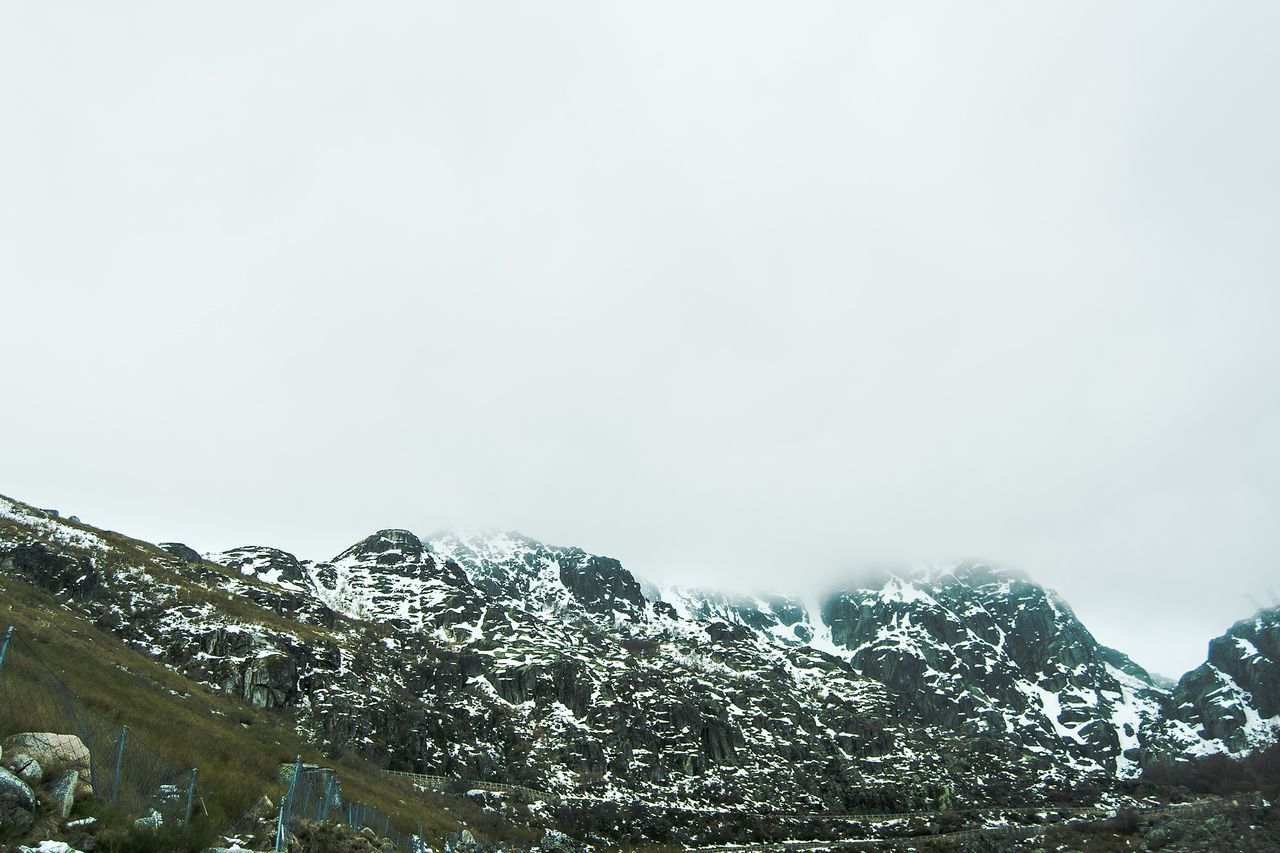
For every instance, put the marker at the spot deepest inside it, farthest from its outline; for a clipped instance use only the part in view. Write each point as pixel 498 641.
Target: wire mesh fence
pixel 315 795
pixel 43 719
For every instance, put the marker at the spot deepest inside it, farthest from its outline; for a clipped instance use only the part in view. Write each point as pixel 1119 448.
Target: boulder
pixel 53 570
pixel 52 750
pixel 27 768
pixel 152 821
pixel 17 802
pixel 62 793
pixel 182 552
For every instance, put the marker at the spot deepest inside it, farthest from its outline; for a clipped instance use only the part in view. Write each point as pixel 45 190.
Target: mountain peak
pixel 387 547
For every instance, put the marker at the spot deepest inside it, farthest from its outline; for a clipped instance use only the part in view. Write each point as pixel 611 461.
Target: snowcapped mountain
pixel 970 646
pixel 991 650
pixel 495 656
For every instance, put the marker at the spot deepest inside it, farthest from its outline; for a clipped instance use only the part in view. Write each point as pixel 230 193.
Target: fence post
pixel 293 787
pixel 115 783
pixel 419 842
pixel 4 649
pixel 191 791
pixel 327 804
pixel 280 829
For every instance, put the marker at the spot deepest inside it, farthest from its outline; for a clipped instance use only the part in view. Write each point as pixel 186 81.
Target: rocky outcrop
pixel 262 667
pixel 56 571
pixel 987 650
pixel 270 564
pixel 270 681
pixel 601 584
pixel 1231 703
pixel 531 575
pixel 182 552
pixel 386 547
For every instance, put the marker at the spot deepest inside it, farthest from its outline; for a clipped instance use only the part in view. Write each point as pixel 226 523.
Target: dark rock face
pixel 182 552
pixel 600 583
pixel 387 547
pixel 54 571
pixel 270 681
pixel 1232 697
pixel 535 576
pixel 989 651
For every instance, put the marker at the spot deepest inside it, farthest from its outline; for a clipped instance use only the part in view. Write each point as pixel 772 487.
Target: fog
pixel 739 294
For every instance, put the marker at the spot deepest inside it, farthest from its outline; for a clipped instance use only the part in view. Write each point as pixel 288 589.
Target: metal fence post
pixel 287 807
pixel 115 783
pixel 4 649
pixel 327 804
pixel 419 842
pixel 280 829
pixel 191 791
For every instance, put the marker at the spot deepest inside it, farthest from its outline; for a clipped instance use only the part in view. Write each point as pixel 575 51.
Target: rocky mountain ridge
pixel 494 656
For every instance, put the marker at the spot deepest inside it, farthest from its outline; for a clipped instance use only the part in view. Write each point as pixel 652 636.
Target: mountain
pixel 1231 702
pixel 492 656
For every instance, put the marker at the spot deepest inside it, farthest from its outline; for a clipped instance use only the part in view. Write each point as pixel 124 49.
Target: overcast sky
pixel 741 294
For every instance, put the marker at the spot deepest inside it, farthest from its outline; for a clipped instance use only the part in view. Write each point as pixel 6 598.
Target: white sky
pixel 738 293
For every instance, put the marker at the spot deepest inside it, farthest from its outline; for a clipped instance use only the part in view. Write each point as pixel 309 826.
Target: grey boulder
pixel 62 792
pixel 27 768
pixel 17 802
pixel 50 748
